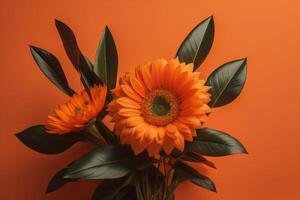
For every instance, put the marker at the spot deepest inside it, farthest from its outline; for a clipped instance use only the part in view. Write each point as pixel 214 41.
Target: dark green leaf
pixel 69 42
pixel 197 44
pixel 227 82
pixel 58 181
pixel 211 142
pixel 108 162
pixel 175 153
pixel 108 189
pixel 108 135
pixel 90 64
pixel 127 193
pixel 104 112
pixel 51 67
pixel 106 59
pixel 194 157
pixel 88 77
pixel 39 140
pixel 184 172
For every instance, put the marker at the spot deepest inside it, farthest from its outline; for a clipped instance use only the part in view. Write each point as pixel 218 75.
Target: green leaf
pixel 107 134
pixel 127 193
pixel 106 59
pixel 197 44
pixel 88 77
pixel 227 82
pixel 108 189
pixel 108 162
pixel 58 181
pixel 90 64
pixel 211 142
pixel 194 157
pixel 51 67
pixel 184 172
pixel 36 138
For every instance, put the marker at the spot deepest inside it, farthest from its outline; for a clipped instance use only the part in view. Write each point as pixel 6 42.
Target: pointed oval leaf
pixel 184 172
pixel 107 162
pixel 127 193
pixel 90 64
pixel 194 157
pixel 36 138
pixel 109 189
pixel 77 58
pixel 227 82
pixel 106 59
pixel 212 142
pixel 69 41
pixel 87 74
pixel 51 67
pixel 198 43
pixel 58 180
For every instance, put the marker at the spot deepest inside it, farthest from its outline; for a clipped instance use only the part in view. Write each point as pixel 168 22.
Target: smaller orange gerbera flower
pixel 77 112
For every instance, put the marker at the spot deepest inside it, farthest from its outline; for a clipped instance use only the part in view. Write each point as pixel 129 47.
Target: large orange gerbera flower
pixel 77 112
pixel 159 106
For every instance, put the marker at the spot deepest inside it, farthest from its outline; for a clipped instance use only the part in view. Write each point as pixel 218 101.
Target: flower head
pixel 159 106
pixel 77 112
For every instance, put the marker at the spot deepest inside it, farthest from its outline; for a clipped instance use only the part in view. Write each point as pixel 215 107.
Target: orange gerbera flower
pixel 77 112
pixel 159 106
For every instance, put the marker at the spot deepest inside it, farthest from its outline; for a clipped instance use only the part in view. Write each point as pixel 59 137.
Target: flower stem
pixel 166 176
pixel 139 193
pixel 95 134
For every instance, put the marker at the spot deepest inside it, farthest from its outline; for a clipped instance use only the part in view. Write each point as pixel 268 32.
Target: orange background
pixel 263 117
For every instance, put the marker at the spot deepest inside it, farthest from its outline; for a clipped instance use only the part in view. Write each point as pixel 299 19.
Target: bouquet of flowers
pixel 157 117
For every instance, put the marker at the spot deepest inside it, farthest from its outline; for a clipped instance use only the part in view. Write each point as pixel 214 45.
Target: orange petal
pixel 157 69
pixel 137 86
pixel 184 130
pixel 168 74
pixel 127 112
pixel 161 135
pixel 128 103
pixel 153 149
pixel 151 133
pixel 168 146
pixel 192 121
pixel 146 76
pixel 134 121
pixel 171 131
pixel 189 67
pixel 193 111
pixel 117 92
pixel 179 142
pixel 131 93
pixel 137 148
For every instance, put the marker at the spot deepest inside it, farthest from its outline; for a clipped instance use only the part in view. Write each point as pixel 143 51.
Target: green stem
pixel 172 189
pixel 138 189
pixel 161 184
pixel 95 134
pixel 166 175
pixel 142 183
pixel 147 191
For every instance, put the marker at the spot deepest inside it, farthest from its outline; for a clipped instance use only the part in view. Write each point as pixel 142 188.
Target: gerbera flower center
pixel 160 107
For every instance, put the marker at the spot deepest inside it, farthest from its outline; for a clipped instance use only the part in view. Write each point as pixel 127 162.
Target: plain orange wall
pixel 265 117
